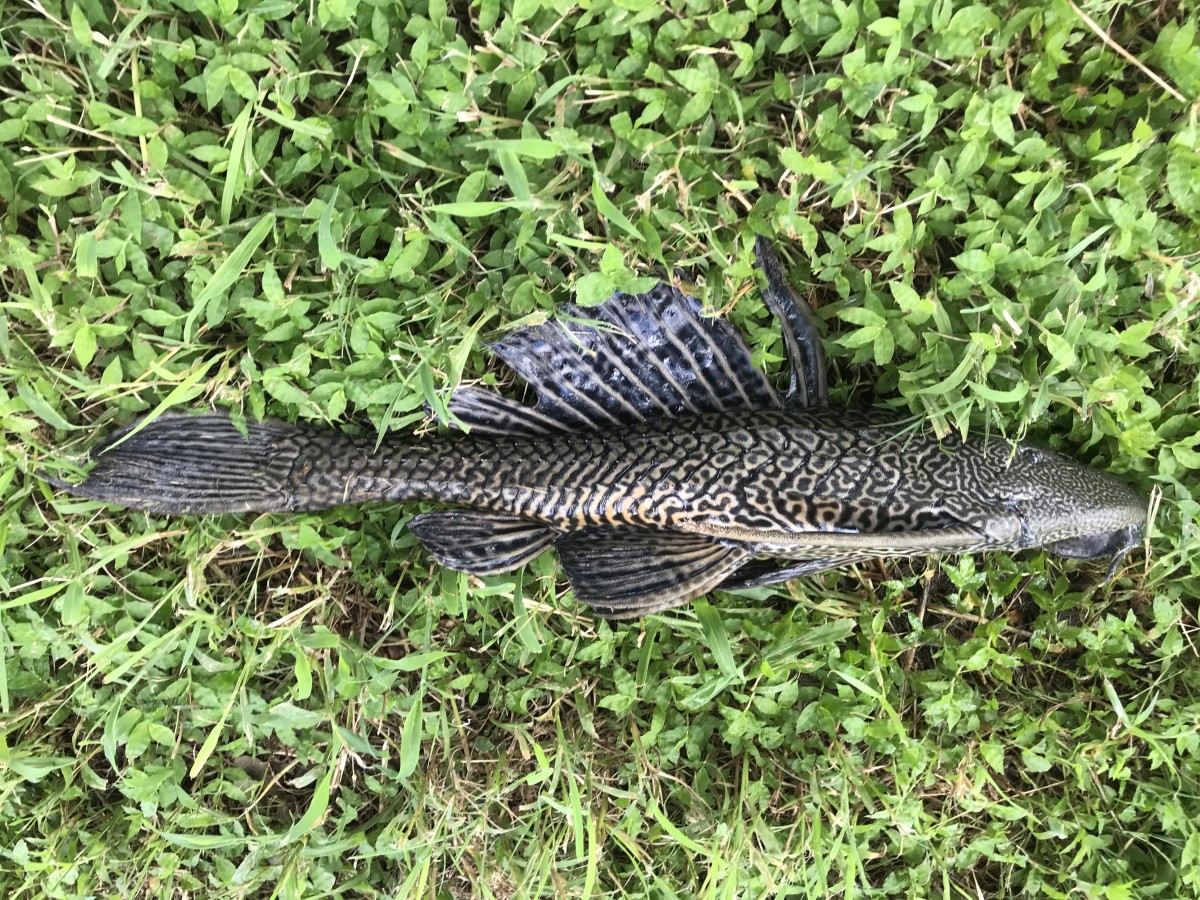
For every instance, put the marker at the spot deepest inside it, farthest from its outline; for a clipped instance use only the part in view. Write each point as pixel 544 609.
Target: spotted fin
pixel 625 573
pixel 801 332
pixel 482 543
pixel 635 358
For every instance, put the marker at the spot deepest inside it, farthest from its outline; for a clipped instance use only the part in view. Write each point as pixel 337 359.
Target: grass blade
pixel 228 272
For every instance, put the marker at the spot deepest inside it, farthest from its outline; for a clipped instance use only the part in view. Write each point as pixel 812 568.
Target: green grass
pixel 323 213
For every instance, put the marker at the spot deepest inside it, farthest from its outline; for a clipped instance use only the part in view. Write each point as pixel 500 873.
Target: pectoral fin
pixel 801 333
pixel 625 573
pixel 478 542
pixel 764 572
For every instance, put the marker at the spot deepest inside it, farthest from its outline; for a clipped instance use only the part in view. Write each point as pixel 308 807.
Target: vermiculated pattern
pixel 657 461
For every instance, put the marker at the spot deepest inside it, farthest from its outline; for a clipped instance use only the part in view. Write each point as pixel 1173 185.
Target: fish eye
pixel 1034 456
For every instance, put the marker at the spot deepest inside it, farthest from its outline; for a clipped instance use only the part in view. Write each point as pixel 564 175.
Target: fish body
pixel 657 461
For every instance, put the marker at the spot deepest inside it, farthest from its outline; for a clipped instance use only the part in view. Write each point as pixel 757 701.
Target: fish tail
pixel 204 464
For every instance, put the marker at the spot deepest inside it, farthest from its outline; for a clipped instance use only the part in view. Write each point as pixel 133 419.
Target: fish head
pixel 1068 508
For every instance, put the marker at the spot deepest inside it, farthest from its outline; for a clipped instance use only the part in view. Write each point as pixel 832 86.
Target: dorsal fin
pixel 486 412
pixel 635 357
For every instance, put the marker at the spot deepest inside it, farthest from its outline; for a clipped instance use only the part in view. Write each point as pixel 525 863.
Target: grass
pixel 322 213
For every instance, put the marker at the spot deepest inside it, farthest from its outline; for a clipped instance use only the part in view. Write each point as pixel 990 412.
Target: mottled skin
pixel 657 460
pixel 799 484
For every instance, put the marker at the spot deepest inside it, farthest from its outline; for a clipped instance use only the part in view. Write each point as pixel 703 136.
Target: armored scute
pixel 657 461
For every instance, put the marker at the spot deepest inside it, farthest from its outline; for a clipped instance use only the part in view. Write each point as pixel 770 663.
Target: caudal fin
pixel 199 464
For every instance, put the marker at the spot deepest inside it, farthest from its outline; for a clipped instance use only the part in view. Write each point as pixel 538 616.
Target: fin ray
pixel 628 572
pixel 480 542
pixel 801 332
pixel 179 463
pixel 486 412
pixel 635 357
pixel 764 572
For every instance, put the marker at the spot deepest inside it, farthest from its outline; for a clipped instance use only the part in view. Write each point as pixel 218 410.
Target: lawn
pixel 322 212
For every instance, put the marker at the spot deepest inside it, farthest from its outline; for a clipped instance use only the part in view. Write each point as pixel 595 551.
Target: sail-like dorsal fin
pixel 633 358
pixel 479 542
pixel 624 573
pixel 486 412
pixel 801 332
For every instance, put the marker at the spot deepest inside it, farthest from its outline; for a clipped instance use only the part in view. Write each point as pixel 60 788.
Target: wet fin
pixel 482 543
pixel 486 412
pixel 801 332
pixel 625 573
pixel 634 358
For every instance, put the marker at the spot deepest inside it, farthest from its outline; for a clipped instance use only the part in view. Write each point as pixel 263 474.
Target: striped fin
pixel 625 573
pixel 482 543
pixel 196 464
pixel 634 358
pixel 763 572
pixel 801 333
pixel 486 412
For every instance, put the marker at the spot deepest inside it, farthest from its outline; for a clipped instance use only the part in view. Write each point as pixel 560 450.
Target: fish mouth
pixel 1103 543
pixel 1115 543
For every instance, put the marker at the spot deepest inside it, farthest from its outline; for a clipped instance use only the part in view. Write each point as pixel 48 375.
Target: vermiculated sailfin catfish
pixel 657 461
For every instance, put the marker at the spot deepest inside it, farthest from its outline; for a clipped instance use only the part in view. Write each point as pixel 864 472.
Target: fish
pixel 656 460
